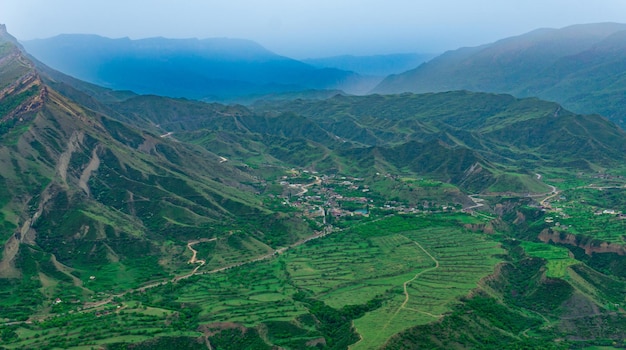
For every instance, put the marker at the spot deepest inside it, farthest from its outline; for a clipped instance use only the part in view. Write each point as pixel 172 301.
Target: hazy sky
pixel 309 28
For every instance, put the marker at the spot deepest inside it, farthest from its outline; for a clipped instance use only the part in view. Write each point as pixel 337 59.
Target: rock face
pixel 590 246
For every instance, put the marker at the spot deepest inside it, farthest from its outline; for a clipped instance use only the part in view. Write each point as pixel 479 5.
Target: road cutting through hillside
pixel 194 272
pixel 305 188
pixel 194 258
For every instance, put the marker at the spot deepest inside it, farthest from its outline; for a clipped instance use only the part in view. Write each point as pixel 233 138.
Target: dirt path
pixel 424 312
pixel 406 292
pixel 90 306
pixel 553 193
pixel 305 188
pixel 194 258
pixel 478 202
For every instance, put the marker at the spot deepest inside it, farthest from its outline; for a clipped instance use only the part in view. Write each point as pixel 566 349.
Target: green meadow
pixel 558 258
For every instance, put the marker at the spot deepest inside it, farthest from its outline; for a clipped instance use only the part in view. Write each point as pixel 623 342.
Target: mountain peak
pixel 5 36
pixel 210 69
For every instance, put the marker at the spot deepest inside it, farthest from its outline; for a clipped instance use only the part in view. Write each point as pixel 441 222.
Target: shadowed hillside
pixel 209 69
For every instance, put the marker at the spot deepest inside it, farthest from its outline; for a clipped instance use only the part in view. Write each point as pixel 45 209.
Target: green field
pixel 592 213
pixel 558 258
pixel 418 267
pixel 458 259
pixel 247 295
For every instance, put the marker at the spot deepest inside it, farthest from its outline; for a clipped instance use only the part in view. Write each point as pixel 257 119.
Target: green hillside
pixel 455 220
pixel 580 66
pixel 508 134
pixel 91 204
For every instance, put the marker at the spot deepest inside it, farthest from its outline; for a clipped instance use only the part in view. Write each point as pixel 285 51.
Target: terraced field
pixel 558 258
pixel 248 295
pixel 347 269
pixel 458 260
pixel 418 267
pixel 130 322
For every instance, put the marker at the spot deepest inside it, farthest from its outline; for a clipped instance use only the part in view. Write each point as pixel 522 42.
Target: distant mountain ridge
pixel 375 65
pixel 500 128
pixel 210 69
pixel 581 67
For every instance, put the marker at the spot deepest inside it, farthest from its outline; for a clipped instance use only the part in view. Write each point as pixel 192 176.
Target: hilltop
pixel 502 132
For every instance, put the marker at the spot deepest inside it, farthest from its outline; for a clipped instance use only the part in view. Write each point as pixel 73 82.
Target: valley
pixel 447 220
pixel 403 265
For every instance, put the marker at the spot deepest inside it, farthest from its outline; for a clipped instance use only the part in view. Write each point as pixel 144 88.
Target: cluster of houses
pixel 558 211
pixel 320 196
pixel 323 196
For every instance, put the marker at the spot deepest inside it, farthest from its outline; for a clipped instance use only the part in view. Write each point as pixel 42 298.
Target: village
pixel 584 216
pixel 328 197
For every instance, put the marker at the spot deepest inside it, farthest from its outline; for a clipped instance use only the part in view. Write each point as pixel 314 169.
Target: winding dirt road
pixel 194 260
pixel 406 292
pixel 305 188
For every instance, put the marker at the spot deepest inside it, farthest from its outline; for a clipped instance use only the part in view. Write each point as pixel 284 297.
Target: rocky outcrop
pixel 589 245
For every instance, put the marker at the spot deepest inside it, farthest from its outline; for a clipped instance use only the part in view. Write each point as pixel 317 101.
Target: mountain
pixel 90 203
pixel 210 69
pixel 477 141
pixel 375 65
pixel 501 128
pixel 395 222
pixel 580 66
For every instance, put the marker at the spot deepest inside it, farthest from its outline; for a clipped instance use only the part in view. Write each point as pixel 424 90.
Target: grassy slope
pixel 581 67
pixel 105 207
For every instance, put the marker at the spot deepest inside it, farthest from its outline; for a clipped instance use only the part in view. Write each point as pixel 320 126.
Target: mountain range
pixel 376 65
pixel 581 67
pixel 574 66
pixel 208 69
pixel 132 220
pixel 105 154
pixel 87 193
